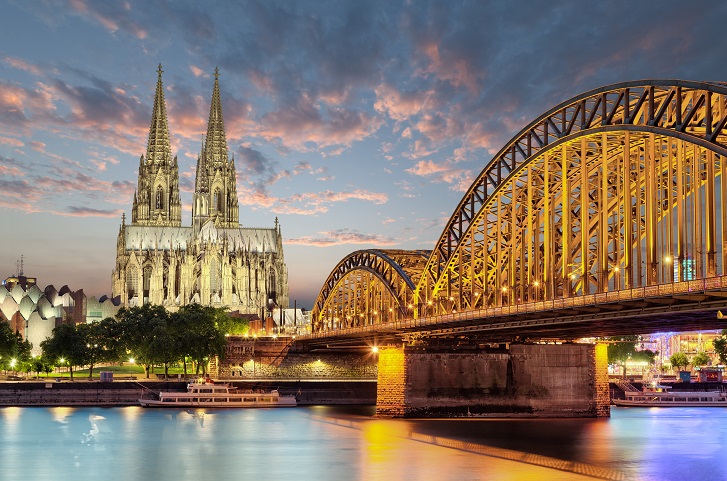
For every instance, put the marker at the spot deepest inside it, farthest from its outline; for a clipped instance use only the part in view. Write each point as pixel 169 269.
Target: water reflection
pixel 325 443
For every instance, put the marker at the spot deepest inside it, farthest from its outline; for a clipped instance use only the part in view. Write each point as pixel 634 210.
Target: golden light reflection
pixel 61 413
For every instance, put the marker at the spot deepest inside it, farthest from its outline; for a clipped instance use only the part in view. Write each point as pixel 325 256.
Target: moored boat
pixel 664 396
pixel 210 394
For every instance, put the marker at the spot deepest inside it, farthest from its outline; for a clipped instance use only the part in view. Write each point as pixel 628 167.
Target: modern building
pixel 213 262
pixel 34 313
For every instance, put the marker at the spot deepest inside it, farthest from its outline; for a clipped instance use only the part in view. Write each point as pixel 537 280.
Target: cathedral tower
pixel 157 201
pixel 214 262
pixel 215 190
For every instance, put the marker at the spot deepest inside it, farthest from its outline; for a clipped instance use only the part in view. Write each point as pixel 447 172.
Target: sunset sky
pixel 358 124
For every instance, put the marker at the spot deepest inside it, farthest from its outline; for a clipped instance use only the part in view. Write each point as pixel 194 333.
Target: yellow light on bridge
pixel 374 349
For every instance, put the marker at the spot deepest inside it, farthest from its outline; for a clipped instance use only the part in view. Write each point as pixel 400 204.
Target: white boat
pixel 664 396
pixel 214 395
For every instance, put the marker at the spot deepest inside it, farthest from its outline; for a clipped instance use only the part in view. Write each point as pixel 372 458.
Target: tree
pixel 621 349
pixel 720 347
pixel 102 344
pixel 12 347
pixel 679 360
pixel 701 359
pixel 138 326
pixel 67 343
pixel 201 333
pixel 645 355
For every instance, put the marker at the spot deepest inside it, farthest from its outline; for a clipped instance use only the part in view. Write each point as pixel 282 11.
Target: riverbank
pixel 127 393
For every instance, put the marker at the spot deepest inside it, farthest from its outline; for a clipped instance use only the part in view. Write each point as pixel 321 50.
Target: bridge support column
pixel 526 380
pixel 392 380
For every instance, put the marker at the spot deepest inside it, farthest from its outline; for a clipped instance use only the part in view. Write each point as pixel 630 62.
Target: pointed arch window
pixel 215 276
pixel 160 198
pixel 217 200
pixel 272 286
pixel 132 283
pixel 147 281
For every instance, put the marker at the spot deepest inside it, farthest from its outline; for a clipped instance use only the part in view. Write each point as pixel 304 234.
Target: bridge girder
pixel 615 189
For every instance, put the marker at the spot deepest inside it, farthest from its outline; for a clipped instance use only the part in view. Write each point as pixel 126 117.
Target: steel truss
pixel 615 189
pixel 369 287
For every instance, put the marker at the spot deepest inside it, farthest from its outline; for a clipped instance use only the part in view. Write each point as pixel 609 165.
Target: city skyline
pixel 357 125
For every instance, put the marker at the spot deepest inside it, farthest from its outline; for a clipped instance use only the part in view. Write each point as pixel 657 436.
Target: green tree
pixel 12 347
pixel 621 349
pixel 645 355
pixel 202 335
pixel 138 326
pixel 102 343
pixel 720 347
pixel 701 359
pixel 67 343
pixel 679 360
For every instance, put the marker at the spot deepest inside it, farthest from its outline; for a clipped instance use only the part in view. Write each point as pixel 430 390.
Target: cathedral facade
pixel 213 262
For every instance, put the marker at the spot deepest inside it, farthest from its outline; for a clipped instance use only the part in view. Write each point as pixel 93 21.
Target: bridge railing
pixel 636 293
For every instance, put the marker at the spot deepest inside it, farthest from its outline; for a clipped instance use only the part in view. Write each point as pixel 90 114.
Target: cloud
pixel 24 65
pixel 460 179
pixel 341 237
pixel 308 204
pixel 76 211
pixel 11 141
pixel 305 124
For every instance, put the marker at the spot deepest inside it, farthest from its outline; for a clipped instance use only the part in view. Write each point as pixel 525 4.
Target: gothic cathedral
pixel 215 262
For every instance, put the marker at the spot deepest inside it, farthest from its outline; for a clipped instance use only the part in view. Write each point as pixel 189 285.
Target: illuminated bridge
pixel 604 216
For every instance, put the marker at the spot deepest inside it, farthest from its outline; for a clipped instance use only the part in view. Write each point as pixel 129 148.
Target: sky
pixel 358 124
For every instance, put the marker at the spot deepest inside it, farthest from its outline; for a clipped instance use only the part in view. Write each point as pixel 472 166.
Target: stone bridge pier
pixel 525 380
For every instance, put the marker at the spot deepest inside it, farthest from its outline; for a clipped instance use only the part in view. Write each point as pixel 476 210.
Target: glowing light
pixel 131 360
pixel 374 349
pixel 504 288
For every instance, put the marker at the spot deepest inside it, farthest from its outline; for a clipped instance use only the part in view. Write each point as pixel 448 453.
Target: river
pixel 347 443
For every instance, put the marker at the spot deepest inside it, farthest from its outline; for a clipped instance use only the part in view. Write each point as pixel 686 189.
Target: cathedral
pixel 214 262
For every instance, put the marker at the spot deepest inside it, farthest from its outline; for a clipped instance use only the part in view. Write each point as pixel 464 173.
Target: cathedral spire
pixel 216 143
pixel 215 193
pixel 158 148
pixel 157 201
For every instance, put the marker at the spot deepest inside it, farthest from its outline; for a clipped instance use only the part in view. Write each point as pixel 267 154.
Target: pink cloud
pixel 342 237
pixel 450 68
pixel 198 72
pixel 459 179
pixel 400 105
pixel 306 122
pixel 21 64
pixel 10 141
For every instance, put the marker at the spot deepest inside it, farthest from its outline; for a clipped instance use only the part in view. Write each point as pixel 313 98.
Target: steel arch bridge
pixel 369 287
pixel 614 194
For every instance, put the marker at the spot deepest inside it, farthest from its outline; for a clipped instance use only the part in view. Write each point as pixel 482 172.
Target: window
pixel 160 198
pixel 217 200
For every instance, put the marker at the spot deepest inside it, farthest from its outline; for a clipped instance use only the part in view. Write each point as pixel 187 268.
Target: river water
pixel 348 443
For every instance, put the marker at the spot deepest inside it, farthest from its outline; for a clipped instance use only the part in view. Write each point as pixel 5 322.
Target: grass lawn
pixel 120 372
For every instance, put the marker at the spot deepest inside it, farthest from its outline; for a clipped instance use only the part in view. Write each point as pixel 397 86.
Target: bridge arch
pixel 615 188
pixel 369 287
